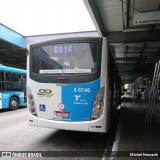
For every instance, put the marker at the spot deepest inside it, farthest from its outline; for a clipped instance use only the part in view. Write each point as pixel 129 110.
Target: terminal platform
pixel 133 135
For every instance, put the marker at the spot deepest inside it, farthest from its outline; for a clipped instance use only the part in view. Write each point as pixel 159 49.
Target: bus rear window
pixel 67 58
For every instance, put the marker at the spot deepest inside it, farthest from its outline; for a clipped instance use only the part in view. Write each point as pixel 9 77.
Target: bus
pixel 12 87
pixel 72 84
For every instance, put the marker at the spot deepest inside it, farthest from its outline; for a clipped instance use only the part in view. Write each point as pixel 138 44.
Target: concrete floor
pixel 133 135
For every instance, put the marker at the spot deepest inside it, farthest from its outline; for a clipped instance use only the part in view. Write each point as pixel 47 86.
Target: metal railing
pixel 153 93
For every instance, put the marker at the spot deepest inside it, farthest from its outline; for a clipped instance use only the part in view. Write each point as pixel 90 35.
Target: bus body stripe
pixel 78 100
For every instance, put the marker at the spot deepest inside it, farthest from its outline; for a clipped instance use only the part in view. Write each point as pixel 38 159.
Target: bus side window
pixel 14 82
pixel 2 83
pixel 7 77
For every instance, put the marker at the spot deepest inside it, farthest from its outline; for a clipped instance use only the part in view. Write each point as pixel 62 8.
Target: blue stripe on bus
pixel 78 100
pixel 7 95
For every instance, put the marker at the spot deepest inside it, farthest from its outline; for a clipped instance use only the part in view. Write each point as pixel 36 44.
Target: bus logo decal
pixel 45 93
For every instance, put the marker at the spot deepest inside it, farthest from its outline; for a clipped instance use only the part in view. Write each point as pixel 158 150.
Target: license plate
pixel 61 114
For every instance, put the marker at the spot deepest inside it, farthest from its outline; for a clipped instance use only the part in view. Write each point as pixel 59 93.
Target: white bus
pixel 72 84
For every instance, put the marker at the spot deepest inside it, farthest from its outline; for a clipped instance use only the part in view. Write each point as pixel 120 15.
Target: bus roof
pixel 64 40
pixel 10 69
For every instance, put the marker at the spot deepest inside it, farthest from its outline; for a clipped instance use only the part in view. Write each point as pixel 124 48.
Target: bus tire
pixel 13 103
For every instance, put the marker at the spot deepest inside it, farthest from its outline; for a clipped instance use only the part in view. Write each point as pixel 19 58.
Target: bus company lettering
pixel 45 93
pixel 79 100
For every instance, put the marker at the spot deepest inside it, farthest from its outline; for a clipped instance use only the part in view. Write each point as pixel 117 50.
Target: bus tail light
pixel 31 104
pixel 32 108
pixel 98 105
pixel 98 126
pixel 97 110
pixel 30 96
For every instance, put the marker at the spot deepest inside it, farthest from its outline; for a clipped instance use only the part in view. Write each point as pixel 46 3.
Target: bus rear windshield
pixel 68 58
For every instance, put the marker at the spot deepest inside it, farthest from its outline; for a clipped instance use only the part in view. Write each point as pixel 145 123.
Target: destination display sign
pixel 62 49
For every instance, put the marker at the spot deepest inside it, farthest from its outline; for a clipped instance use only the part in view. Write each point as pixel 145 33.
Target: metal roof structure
pixel 135 43
pixel 12 48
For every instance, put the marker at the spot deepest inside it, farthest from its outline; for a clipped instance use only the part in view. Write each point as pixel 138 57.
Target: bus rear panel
pixel 66 86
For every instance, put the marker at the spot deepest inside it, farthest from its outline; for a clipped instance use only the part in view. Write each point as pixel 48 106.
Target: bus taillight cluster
pixel 98 105
pixel 31 105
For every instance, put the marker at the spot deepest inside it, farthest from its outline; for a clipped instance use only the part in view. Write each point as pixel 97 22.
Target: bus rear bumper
pixel 98 125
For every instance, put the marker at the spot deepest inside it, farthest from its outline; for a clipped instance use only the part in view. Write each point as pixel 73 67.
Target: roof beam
pixel 93 11
pixel 130 59
pixel 11 36
pixel 133 37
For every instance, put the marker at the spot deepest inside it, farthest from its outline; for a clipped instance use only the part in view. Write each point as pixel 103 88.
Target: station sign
pixel 146 17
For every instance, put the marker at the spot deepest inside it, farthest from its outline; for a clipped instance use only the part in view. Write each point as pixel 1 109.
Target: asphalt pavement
pixel 16 135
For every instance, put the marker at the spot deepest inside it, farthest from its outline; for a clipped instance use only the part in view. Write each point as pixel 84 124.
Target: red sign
pixel 61 114
pixel 61 106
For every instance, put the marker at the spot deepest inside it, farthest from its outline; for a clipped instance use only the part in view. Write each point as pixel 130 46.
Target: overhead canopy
pixel 133 30
pixel 12 48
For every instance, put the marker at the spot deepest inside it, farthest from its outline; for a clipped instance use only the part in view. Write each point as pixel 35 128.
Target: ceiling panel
pixel 144 5
pixel 130 44
pixel 111 11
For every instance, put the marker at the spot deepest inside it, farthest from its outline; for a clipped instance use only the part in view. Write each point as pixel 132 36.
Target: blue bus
pixel 72 84
pixel 12 87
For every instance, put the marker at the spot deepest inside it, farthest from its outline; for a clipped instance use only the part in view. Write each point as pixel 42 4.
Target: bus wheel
pixel 13 103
